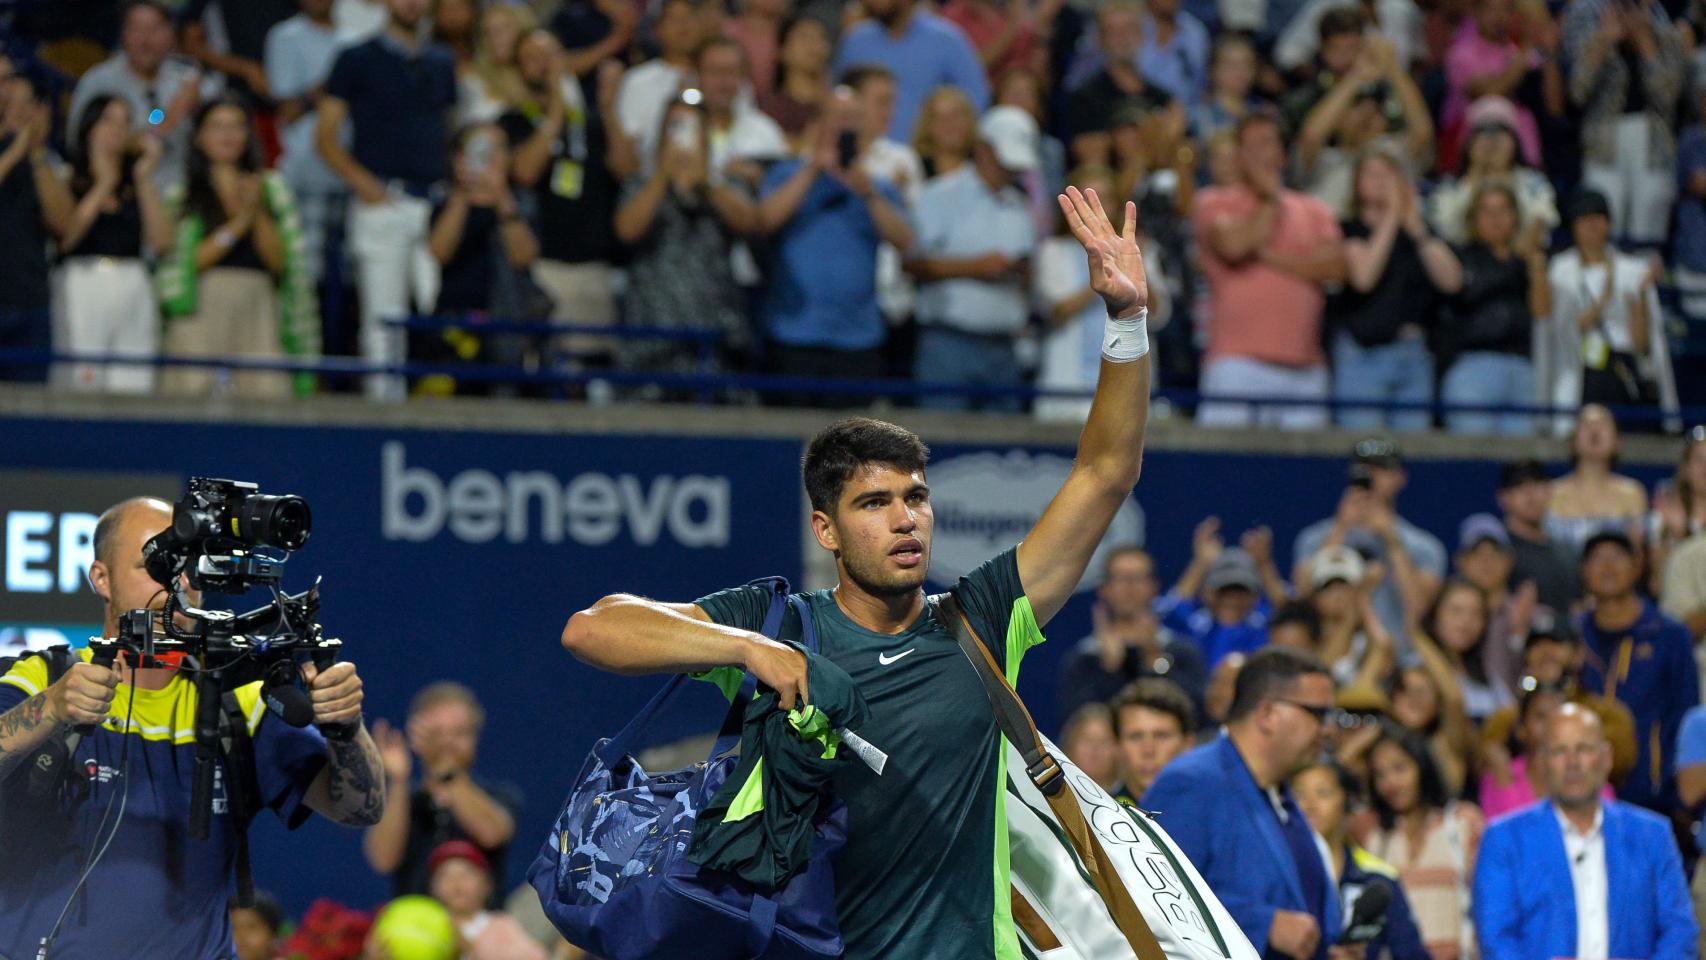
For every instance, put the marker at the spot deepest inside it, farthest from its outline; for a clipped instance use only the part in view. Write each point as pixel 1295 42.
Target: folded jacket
pixel 759 824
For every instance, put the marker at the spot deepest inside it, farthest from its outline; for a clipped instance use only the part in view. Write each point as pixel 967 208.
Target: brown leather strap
pixel 1016 724
pixel 1010 713
pixel 1108 882
pixel 1036 929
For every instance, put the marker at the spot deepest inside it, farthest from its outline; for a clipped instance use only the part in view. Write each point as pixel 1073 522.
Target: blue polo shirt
pixel 1650 668
pixel 822 289
pixel 933 52
pixel 399 105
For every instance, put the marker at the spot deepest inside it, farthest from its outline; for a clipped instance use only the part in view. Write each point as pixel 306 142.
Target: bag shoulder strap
pixel 1010 713
pixel 1021 731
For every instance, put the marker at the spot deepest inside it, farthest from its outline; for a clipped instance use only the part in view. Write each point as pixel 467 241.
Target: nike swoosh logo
pixel 885 659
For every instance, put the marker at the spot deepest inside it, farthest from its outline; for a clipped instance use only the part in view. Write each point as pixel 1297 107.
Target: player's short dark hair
pixel 1339 21
pixel 1160 695
pixel 265 907
pixel 857 76
pixel 1301 613
pixel 449 691
pixel 846 445
pixel 1268 673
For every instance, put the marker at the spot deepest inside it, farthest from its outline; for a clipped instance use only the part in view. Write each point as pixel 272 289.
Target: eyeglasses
pixel 1321 714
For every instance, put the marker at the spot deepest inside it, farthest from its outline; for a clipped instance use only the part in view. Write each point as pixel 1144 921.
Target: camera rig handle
pixel 324 654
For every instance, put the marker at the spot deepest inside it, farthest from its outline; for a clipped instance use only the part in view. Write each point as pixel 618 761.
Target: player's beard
pixel 871 575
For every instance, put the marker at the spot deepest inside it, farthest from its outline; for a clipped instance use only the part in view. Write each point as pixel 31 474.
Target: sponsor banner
pixel 987 501
pixel 47 544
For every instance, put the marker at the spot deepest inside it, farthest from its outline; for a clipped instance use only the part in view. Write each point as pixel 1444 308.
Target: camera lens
pixel 275 521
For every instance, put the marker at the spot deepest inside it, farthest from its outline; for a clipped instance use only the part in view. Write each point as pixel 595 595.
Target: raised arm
pixel 1053 556
pixel 631 635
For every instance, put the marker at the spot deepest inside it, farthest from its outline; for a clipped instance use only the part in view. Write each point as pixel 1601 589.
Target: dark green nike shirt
pixel 924 873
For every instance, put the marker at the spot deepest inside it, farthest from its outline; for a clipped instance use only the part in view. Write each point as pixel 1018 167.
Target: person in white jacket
pixel 1606 340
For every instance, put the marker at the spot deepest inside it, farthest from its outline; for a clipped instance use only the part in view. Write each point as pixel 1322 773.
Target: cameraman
pixel 156 893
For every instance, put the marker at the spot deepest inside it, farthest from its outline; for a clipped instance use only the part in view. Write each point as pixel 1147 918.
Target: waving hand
pixel 1116 264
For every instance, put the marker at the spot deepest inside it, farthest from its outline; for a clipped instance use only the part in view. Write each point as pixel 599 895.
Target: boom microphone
pixel 1368 918
pixel 290 703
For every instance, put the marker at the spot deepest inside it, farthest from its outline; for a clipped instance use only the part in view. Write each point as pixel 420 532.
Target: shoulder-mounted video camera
pixel 227 537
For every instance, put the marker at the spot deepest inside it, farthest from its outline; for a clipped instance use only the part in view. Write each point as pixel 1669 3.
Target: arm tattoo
pixel 18 723
pixel 356 788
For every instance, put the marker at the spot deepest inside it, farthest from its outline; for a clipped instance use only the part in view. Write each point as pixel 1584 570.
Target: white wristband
pixel 1126 340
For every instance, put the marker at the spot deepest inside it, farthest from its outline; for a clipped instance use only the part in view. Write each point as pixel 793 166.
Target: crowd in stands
pixel 1449 212
pixel 1426 707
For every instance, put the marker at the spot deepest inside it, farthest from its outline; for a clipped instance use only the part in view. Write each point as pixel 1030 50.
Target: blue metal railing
pixel 711 384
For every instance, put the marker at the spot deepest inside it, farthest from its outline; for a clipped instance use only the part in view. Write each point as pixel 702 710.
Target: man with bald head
pixel 1550 878
pixel 156 892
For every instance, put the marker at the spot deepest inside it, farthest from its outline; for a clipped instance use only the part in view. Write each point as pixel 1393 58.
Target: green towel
pixel 758 825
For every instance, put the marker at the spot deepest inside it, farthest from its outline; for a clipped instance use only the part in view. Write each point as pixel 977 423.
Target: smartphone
pixel 847 148
pixel 1361 476
pixel 684 131
pixel 479 152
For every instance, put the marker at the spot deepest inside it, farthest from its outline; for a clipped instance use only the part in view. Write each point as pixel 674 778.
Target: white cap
pixel 1012 134
pixel 1338 563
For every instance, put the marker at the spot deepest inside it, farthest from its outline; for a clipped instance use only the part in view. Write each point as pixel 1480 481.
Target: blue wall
pixel 643 515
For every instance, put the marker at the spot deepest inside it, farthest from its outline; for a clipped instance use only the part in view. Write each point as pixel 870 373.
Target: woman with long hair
pixel 1382 316
pixel 1453 639
pixel 104 299
pixel 237 281
pixel 1592 498
pixel 1429 838
pixel 802 80
pixel 501 28
pixel 1489 330
pixel 946 131
pixel 1329 796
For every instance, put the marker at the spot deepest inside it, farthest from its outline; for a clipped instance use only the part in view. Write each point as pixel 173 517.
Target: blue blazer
pixel 1210 805
pixel 1525 902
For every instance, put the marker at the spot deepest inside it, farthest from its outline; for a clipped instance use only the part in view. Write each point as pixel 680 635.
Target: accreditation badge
pixel 1596 351
pixel 568 177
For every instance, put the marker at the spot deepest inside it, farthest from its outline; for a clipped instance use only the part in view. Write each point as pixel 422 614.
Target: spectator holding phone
pixel 827 216
pixel 479 240
pixel 679 223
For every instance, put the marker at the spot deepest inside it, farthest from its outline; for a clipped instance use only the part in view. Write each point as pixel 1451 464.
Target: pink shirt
pixel 1261 311
pixel 1471 57
pixel 1497 801
pixel 982 25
